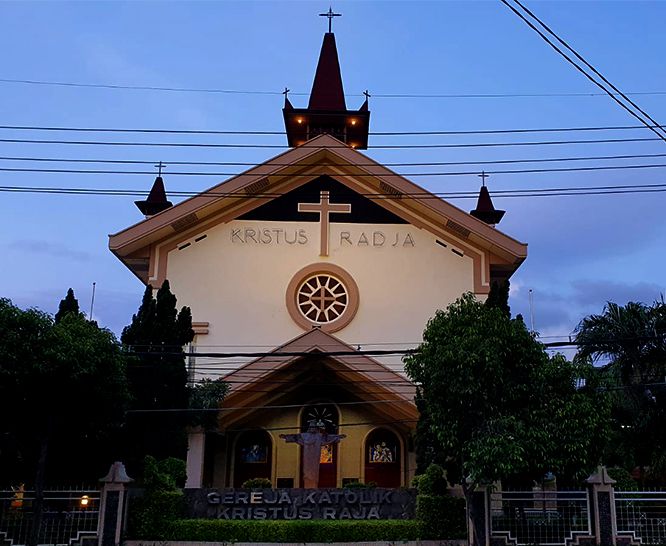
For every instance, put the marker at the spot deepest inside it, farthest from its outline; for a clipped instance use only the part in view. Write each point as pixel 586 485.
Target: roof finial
pixel 159 167
pixel 330 16
pixel 367 95
pixel 483 177
pixel 286 92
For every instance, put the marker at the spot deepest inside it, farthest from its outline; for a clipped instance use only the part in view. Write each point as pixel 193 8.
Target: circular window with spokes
pixel 322 295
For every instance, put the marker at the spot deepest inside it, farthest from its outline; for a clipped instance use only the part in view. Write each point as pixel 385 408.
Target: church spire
pixel 485 211
pixel 327 111
pixel 157 199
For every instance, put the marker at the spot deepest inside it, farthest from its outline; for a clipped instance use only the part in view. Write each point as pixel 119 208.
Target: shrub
pixel 623 479
pixel 432 482
pixel 149 514
pixel 442 516
pixel 257 483
pixel 291 531
pixel 165 475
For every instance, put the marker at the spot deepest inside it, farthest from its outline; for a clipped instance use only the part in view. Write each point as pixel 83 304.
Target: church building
pixel 327 265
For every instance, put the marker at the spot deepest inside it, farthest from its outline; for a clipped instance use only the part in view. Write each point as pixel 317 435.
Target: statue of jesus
pixel 312 440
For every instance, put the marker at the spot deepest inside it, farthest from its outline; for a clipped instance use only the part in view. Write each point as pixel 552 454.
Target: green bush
pixel 442 516
pixel 290 531
pixel 148 514
pixel 432 482
pixel 257 483
pixel 165 475
pixel 623 479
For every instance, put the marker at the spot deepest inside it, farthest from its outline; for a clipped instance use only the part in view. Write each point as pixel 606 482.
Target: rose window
pixel 322 295
pixel 322 298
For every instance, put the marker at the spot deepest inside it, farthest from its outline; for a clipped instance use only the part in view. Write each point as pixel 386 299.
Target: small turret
pixel 157 200
pixel 485 211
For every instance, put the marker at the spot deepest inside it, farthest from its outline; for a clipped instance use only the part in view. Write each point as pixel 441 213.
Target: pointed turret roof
pixel 157 200
pixel 327 92
pixel 327 110
pixel 485 210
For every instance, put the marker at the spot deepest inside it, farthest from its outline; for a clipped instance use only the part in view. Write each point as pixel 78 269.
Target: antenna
pixel 92 301
pixel 531 313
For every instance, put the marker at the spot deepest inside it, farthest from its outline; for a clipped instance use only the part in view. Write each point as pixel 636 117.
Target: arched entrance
pixel 382 458
pixel 252 456
pixel 327 417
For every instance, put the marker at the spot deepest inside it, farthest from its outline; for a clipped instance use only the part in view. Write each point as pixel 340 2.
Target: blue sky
pixel 583 250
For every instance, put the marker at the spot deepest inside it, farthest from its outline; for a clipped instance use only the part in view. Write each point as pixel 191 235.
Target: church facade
pixel 315 269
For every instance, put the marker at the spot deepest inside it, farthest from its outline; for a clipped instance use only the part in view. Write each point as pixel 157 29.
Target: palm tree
pixel 629 344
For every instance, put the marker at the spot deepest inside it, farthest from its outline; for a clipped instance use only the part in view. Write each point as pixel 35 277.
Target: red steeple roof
pixel 327 111
pixel 157 199
pixel 327 92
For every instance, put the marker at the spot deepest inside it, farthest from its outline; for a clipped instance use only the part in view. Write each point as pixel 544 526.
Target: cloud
pixel 50 248
pixel 558 313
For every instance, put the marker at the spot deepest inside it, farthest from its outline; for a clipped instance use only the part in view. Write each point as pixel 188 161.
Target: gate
pixel 69 517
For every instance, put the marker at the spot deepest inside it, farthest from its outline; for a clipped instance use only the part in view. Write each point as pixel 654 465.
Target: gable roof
pixel 323 155
pixel 390 393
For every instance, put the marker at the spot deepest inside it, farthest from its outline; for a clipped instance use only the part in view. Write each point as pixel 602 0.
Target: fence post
pixel 112 505
pixel 480 502
pixel 602 507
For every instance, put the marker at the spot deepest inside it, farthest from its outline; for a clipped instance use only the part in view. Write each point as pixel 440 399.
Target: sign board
pixel 304 504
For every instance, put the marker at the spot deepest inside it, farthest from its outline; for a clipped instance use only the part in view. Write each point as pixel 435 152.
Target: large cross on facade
pixel 324 208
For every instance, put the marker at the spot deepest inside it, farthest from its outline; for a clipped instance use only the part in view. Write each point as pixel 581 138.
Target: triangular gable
pixel 253 385
pixel 323 155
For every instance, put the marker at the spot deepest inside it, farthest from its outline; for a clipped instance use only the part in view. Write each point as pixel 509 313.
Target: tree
pixel 68 305
pixel 158 377
pixel 498 405
pixel 629 345
pixel 499 296
pixel 64 386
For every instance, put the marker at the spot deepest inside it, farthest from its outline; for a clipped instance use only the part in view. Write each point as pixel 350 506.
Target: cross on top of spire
pixel 159 167
pixel 483 177
pixel 330 16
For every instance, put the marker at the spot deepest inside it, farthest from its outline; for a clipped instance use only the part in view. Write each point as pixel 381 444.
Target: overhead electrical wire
pixel 633 109
pixel 266 133
pixel 27 81
pixel 534 192
pixel 343 164
pixel 341 146
pixel 356 175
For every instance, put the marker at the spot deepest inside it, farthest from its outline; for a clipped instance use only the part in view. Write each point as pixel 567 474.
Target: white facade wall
pixel 236 280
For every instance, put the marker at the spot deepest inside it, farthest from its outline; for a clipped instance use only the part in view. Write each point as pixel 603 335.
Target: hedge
pixel 291 530
pixel 443 517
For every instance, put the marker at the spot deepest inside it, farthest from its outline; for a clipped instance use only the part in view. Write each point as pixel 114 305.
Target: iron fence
pixel 69 517
pixel 642 515
pixel 539 517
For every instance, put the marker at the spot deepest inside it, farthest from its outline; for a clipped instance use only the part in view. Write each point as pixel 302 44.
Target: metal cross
pixel 483 177
pixel 286 92
pixel 367 95
pixel 159 166
pixel 330 16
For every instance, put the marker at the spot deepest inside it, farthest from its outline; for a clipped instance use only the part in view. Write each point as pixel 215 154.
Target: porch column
pixel 196 444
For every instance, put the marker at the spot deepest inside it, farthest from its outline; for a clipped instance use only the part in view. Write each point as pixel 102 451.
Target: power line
pixel 262 133
pixel 401 164
pixel 341 146
pixel 357 175
pixel 301 93
pixel 532 192
pixel 614 96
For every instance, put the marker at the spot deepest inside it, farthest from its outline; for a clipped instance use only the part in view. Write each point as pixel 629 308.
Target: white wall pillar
pixel 196 444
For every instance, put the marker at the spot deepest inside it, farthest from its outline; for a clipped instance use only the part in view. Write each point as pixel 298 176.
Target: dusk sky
pixel 455 66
